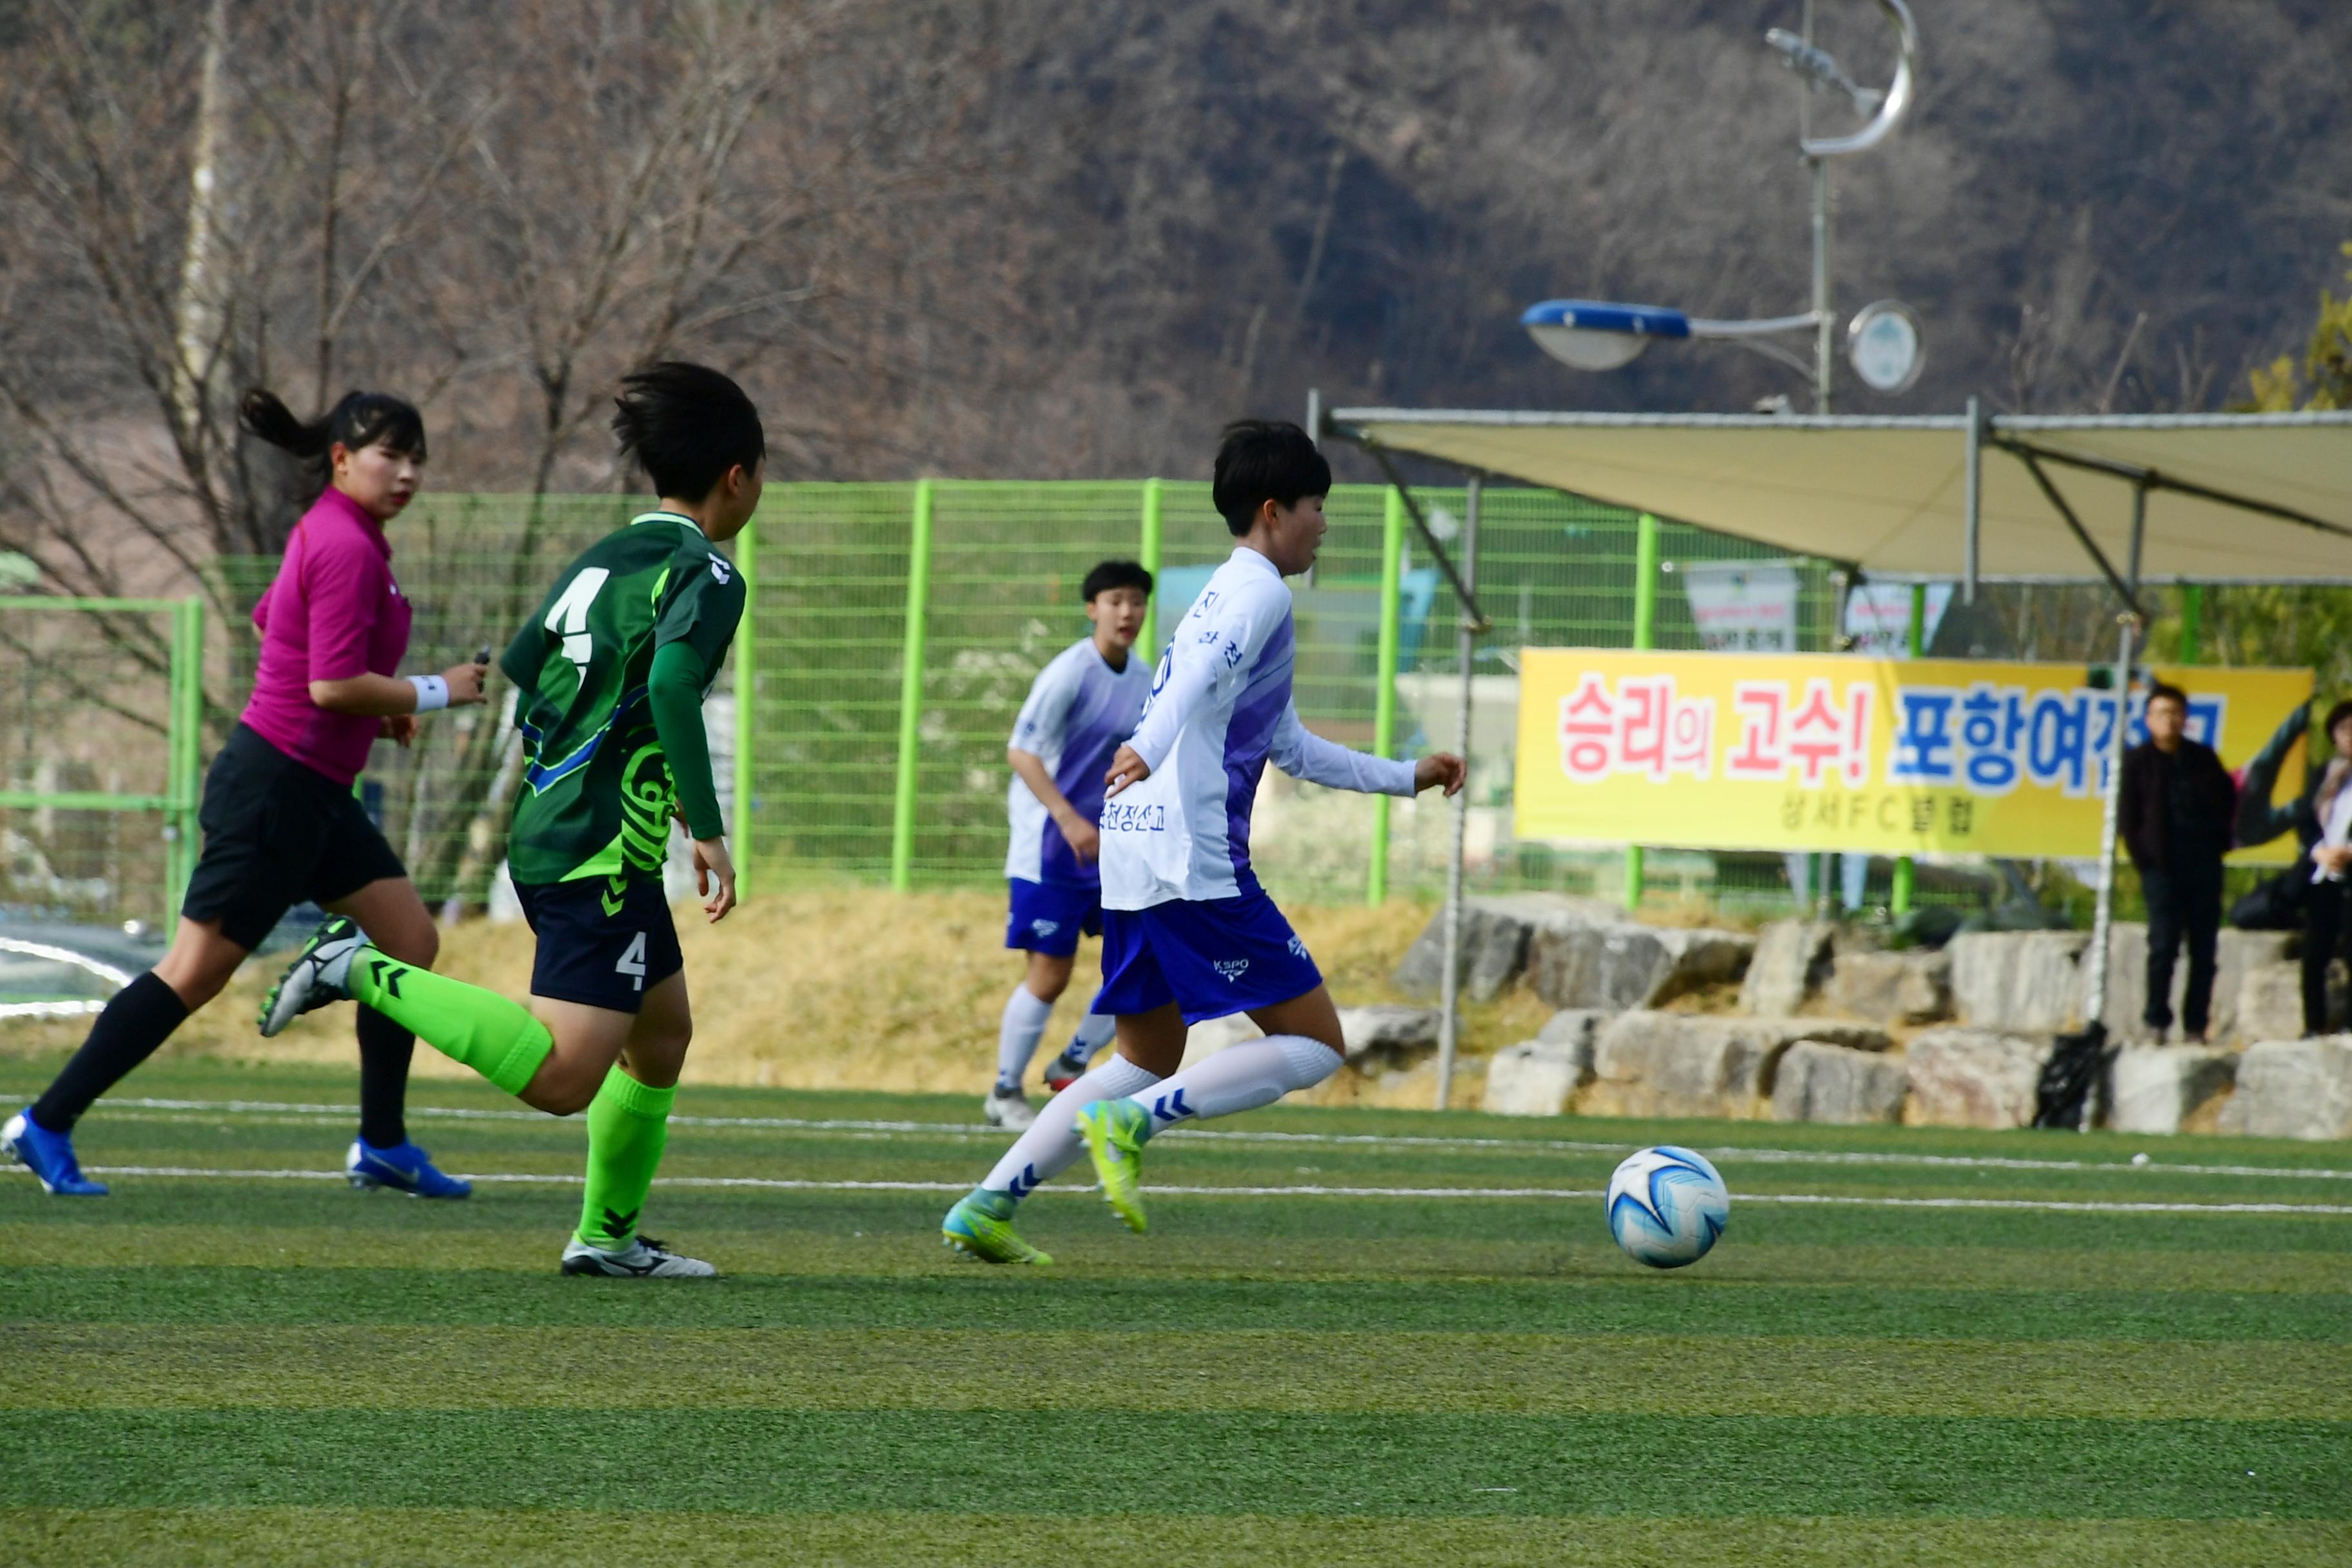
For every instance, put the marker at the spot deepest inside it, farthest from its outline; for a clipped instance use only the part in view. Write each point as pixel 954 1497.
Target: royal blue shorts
pixel 1047 917
pixel 1211 958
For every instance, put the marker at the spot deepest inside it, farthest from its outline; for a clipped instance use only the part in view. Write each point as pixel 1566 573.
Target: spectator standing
pixel 2176 806
pixel 2330 814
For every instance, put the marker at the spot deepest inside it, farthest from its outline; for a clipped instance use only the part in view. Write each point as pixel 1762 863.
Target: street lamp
pixel 1884 339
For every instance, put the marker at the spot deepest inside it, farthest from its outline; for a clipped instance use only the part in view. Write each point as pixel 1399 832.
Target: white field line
pixel 106 972
pixel 1406 1140
pixel 772 1184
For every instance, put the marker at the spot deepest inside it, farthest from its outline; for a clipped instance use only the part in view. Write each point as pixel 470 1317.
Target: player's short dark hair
pixel 2337 715
pixel 1109 575
pixel 2164 689
pixel 1262 460
pixel 687 424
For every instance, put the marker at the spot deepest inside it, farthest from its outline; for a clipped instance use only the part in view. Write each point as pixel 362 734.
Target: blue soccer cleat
pixel 48 1155
pixel 404 1168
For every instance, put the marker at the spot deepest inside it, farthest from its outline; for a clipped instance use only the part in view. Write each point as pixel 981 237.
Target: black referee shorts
pixel 278 833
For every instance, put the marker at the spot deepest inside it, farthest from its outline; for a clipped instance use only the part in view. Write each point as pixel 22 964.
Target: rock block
pixel 1818 1082
pixel 1678 1064
pixel 2269 1002
pixel 1974 1077
pixel 1791 961
pixel 1388 1033
pixel 1211 1035
pixel 1537 1077
pixel 2155 1089
pixel 2236 955
pixel 1620 964
pixel 1496 930
pixel 1574 1027
pixel 2294 1088
pixel 1893 987
pixel 2017 981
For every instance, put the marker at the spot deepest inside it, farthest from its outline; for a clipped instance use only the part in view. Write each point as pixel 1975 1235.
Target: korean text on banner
pixel 1827 751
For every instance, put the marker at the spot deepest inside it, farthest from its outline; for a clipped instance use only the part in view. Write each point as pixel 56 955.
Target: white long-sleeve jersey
pixel 1220 709
pixel 1079 711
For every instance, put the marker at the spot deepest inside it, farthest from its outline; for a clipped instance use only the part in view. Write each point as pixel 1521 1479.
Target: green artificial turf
pixel 206 1369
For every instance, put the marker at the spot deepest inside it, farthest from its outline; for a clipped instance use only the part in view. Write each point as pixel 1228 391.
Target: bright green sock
pixel 496 1037
pixel 628 1126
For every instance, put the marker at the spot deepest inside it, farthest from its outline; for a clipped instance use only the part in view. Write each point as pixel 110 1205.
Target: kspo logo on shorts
pixel 1045 928
pixel 1232 969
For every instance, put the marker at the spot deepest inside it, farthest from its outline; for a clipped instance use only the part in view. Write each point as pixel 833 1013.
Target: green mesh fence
pixel 97 755
pixel 826 647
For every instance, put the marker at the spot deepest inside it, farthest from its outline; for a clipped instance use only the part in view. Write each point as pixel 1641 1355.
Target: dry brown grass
pixel 854 988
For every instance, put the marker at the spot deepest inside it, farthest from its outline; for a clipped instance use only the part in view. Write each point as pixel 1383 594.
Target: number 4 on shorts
pixel 632 962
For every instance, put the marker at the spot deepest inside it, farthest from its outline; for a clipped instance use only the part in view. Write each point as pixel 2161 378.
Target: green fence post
pixel 1376 877
pixel 1915 643
pixel 747 696
pixel 1645 637
pixel 2192 623
pixel 186 748
pixel 910 691
pixel 1147 553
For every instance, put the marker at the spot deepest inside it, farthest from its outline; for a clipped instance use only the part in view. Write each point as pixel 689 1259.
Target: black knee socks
pixel 385 1050
pixel 141 1018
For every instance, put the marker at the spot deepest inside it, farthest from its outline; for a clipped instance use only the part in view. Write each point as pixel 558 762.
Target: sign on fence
pixel 1823 752
pixel 1743 606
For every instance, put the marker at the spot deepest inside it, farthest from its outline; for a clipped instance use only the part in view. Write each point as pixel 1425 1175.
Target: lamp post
pixel 1884 342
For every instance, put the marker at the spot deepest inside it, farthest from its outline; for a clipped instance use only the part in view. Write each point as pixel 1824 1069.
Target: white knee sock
pixel 1052 1141
pixel 1016 1037
pixel 1094 1032
pixel 1240 1078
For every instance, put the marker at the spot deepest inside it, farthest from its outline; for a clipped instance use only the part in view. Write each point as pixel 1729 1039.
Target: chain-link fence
pixel 954 593
pixel 99 758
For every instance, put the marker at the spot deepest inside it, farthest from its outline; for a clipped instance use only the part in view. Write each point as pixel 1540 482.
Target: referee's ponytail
pixel 361 419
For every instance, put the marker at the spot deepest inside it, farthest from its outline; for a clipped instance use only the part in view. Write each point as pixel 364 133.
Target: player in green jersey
pixel 613 669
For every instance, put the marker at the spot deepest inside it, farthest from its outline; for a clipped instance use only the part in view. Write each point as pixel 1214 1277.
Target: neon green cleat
pixel 1114 1131
pixel 981 1225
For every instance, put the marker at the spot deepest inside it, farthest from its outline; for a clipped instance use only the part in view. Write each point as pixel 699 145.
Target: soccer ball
pixel 1666 1206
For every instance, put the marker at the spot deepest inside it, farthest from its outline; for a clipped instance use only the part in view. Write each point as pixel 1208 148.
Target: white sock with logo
pixel 1052 1143
pixel 1017 1035
pixel 1240 1078
pixel 1094 1032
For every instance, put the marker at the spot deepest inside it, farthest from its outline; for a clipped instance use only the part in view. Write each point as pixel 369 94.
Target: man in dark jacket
pixel 2176 806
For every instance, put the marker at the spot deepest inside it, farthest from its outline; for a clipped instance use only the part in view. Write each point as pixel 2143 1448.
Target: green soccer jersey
pixel 597 792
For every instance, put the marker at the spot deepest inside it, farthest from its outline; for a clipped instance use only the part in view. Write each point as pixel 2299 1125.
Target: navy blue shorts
pixel 597 947
pixel 1047 917
pixel 1211 958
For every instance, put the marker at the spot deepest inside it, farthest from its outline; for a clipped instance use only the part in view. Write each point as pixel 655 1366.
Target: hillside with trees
pixel 992 240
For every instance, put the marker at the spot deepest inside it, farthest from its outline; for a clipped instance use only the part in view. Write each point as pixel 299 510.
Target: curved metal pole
pixel 1893 108
pixel 2103 911
pixel 1449 1024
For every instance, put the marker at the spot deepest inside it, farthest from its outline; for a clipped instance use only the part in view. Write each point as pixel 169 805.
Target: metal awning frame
pixel 2028 437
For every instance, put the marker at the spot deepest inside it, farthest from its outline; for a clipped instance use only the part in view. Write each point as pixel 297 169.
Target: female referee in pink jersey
pixel 279 820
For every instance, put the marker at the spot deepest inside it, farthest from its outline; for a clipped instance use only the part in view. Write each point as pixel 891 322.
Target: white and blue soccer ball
pixel 1666 1206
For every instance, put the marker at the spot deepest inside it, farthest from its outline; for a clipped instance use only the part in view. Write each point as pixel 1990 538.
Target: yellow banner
pixel 1829 751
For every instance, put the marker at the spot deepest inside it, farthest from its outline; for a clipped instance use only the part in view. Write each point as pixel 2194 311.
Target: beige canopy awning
pixel 2229 498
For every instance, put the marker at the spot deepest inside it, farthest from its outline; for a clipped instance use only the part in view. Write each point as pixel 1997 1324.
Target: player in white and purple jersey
pixel 1081 706
pixel 1188 934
